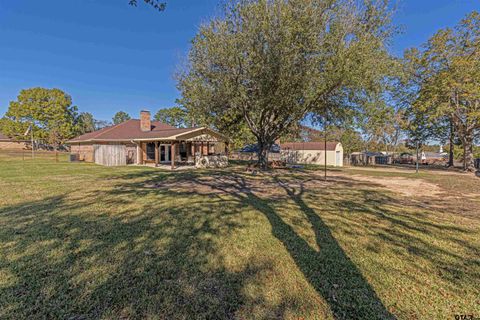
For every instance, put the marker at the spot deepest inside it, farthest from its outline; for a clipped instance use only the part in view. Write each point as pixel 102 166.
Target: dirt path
pixel 408 187
pixel 399 169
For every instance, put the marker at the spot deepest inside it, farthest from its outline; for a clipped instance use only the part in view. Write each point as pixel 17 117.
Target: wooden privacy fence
pixel 27 155
pixel 110 154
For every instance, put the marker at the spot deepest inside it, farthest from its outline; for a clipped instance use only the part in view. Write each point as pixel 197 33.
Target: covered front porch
pixel 196 149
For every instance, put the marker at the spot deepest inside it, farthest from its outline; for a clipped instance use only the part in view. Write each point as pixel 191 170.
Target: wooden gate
pixel 110 154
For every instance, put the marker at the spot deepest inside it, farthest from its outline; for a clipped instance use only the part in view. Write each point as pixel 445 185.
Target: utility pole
pixel 325 145
pixel 416 165
pixel 325 154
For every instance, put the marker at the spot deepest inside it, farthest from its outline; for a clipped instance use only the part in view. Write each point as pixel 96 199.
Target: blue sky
pixel 110 56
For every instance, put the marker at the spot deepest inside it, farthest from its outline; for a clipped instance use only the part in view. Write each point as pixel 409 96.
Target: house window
pixel 150 151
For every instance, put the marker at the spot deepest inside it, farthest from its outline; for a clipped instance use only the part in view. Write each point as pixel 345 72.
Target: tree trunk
pixel 263 148
pixel 468 160
pixel 451 138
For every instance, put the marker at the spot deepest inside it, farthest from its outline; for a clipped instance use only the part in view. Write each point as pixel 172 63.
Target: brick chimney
pixel 145 123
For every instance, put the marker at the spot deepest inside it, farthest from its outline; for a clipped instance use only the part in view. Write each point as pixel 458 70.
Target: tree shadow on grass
pixel 162 259
pixel 416 232
pixel 59 259
pixel 412 232
pixel 329 270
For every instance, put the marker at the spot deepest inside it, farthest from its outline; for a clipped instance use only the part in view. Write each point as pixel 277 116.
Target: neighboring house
pixel 151 142
pixel 312 152
pixel 9 143
pixel 433 158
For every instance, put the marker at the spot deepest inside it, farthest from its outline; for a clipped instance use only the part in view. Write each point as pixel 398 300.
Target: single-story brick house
pixel 142 141
pixel 312 153
pixel 10 144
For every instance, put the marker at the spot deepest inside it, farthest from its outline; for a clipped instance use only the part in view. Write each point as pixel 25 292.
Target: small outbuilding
pixel 145 142
pixel 312 153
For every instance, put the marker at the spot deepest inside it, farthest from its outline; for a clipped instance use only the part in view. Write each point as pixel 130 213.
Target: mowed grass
pixel 81 241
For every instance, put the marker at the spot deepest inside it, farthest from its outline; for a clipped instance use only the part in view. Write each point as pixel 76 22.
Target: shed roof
pixel 331 145
pixel 130 130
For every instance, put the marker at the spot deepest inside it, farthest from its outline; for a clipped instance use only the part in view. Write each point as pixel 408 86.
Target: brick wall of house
pixel 84 151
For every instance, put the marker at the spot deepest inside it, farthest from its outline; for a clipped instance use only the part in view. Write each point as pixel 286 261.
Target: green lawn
pixel 80 241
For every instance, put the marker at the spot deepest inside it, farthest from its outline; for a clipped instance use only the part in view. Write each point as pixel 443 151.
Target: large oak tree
pixel 268 63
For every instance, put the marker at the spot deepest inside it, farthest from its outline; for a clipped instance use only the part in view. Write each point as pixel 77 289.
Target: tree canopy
pixel 85 123
pixel 156 4
pixel 120 117
pixel 267 64
pixel 49 112
pixel 446 83
pixel 175 116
